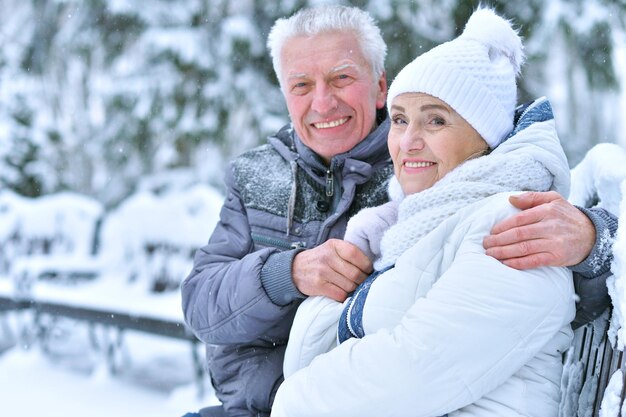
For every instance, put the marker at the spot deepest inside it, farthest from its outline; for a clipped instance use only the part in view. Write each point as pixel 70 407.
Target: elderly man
pixel 279 235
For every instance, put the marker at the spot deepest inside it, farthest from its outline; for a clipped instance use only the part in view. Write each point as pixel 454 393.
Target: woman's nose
pixel 412 140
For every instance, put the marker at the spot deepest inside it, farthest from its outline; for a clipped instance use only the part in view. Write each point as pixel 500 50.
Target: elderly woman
pixel 440 328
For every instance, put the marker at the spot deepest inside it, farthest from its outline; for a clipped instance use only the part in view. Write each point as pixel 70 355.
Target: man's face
pixel 330 91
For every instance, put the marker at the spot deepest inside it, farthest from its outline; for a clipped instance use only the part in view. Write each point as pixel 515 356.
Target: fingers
pixel 548 234
pixel 333 269
pixel 535 208
pixel 333 292
pixel 522 228
pixel 352 257
pixel 521 219
pixel 533 199
pixel 532 242
pixel 532 261
pixel 526 252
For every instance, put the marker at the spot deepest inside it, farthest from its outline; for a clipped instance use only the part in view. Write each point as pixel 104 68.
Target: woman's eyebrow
pixel 424 107
pixel 434 107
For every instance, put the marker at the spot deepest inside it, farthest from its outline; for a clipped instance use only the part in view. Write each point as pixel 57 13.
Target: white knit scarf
pixel 474 180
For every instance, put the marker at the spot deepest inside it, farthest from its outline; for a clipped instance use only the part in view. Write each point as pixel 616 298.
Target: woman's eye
pixel 398 120
pixel 438 121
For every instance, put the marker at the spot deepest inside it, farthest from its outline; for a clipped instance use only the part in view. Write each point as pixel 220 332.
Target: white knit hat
pixel 474 74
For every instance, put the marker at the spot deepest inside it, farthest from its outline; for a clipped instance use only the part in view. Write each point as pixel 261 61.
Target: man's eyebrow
pixel 300 75
pixel 332 70
pixel 343 67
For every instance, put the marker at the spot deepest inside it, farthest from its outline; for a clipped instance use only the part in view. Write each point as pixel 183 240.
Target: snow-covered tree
pixel 97 96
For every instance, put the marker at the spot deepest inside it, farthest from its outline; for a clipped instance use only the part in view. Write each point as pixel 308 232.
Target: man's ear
pixel 381 98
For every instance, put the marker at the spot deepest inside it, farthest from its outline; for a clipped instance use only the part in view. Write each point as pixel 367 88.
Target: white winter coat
pixel 448 329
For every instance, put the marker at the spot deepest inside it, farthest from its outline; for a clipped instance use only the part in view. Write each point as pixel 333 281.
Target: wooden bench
pixel 588 367
pixel 118 321
pixel 10 304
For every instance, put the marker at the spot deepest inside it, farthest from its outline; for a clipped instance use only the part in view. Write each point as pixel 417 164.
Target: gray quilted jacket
pixel 240 299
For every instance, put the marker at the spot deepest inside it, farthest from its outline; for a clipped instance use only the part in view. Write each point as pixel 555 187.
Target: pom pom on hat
pixel 474 74
pixel 486 27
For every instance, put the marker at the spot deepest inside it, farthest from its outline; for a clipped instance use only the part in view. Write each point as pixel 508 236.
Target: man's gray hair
pixel 330 19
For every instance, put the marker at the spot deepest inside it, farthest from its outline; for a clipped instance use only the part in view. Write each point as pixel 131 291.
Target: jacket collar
pixel 369 152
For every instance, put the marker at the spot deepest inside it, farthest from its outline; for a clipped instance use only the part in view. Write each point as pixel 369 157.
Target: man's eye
pixel 342 80
pixel 397 120
pixel 300 88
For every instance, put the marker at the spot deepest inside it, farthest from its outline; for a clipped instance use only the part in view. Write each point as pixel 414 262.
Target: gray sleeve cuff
pixel 276 278
pixel 598 262
pixel 593 297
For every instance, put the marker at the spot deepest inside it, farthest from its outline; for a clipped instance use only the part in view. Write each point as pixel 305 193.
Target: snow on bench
pixel 594 367
pixel 152 238
pixel 48 237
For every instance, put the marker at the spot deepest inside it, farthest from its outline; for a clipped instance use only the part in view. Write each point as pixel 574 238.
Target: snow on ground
pixel 69 376
pixel 66 373
pixel 33 386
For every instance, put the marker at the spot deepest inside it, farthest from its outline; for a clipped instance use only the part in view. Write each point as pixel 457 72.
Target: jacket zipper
pixel 279 243
pixel 530 107
pixel 330 187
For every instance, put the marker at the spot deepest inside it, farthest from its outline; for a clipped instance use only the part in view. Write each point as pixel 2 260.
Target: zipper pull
pixel 298 245
pixel 330 189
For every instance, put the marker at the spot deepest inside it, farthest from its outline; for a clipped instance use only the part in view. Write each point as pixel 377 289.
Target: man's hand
pixel 548 232
pixel 333 269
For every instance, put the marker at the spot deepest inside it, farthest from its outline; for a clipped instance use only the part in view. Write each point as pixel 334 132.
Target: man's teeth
pixel 328 125
pixel 418 164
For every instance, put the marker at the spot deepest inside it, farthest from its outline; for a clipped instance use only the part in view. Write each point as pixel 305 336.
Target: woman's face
pixel 428 139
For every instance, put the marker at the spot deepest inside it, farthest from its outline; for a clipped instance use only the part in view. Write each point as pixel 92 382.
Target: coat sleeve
pixel 591 274
pixel 223 298
pixel 477 326
pixel 314 332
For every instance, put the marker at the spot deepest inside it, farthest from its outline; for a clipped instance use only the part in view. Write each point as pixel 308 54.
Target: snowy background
pixel 116 121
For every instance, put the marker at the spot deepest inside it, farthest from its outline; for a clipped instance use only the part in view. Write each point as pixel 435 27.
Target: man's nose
pixel 324 100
